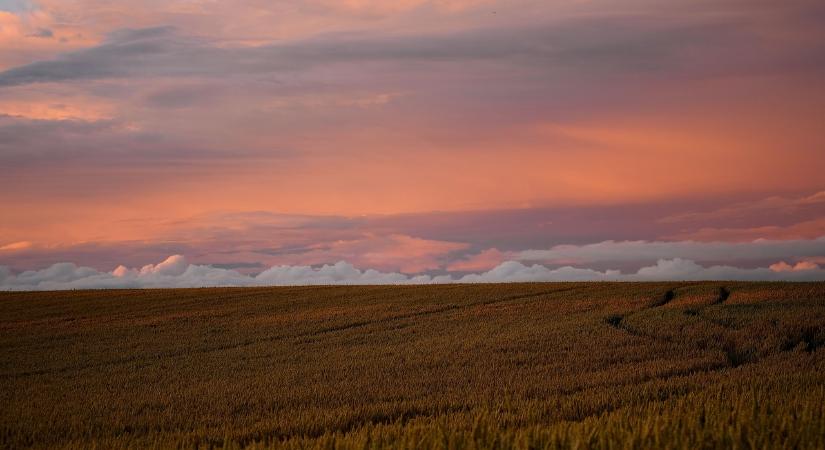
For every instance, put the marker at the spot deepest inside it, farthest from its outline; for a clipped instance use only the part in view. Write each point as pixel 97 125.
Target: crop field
pixel 539 365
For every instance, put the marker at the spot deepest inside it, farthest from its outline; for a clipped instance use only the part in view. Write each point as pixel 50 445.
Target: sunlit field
pixel 569 365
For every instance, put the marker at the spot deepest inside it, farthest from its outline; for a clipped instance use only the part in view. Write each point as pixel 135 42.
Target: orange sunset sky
pixel 210 142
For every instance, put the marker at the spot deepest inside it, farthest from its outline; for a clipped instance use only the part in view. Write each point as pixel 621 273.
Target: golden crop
pixel 556 365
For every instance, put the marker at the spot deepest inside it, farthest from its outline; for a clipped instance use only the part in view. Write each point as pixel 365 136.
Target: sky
pixel 166 143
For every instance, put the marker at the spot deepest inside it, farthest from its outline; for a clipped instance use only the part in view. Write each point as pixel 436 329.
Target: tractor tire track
pixel 280 337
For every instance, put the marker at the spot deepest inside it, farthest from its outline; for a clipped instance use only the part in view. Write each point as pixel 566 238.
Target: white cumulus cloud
pixel 176 272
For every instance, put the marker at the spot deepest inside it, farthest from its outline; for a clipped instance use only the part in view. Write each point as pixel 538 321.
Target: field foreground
pixel 678 365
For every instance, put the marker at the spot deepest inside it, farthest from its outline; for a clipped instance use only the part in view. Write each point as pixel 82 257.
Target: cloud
pixel 174 265
pixel 122 53
pixel 105 144
pixel 46 109
pixel 613 251
pixel 807 229
pixel 664 270
pixel 681 269
pixel 374 8
pixel 782 266
pixel 513 271
pixel 215 124
pixel 393 252
pixel 775 217
pixel 486 259
pixel 21 245
pixel 618 44
pixel 175 272
pixel 58 275
pixel 455 242
pixel 338 273
pixel 43 33
pixel 614 43
pixel 772 205
pixel 14 5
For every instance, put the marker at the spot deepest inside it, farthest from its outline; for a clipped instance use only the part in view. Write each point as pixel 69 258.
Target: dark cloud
pixel 614 44
pixel 43 33
pixel 126 52
pixel 15 5
pixel 181 96
pixel 646 251
pixel 25 141
pixel 105 143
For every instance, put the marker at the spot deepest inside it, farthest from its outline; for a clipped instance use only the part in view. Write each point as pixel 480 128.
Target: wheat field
pixel 539 365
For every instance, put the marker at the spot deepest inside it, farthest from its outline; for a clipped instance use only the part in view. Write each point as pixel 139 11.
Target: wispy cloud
pixel 618 44
pixel 772 205
pixel 21 245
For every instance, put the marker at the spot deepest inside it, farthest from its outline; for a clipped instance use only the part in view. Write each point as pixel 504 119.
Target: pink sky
pixel 440 136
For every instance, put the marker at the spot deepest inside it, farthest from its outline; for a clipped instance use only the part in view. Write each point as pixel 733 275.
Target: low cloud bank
pixel 618 251
pixel 176 272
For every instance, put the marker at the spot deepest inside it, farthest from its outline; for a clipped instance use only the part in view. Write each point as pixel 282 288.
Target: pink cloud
pixel 394 252
pixel 28 35
pixel 774 204
pixel 368 107
pixel 808 229
pixel 782 266
pixel 21 245
pixel 484 260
